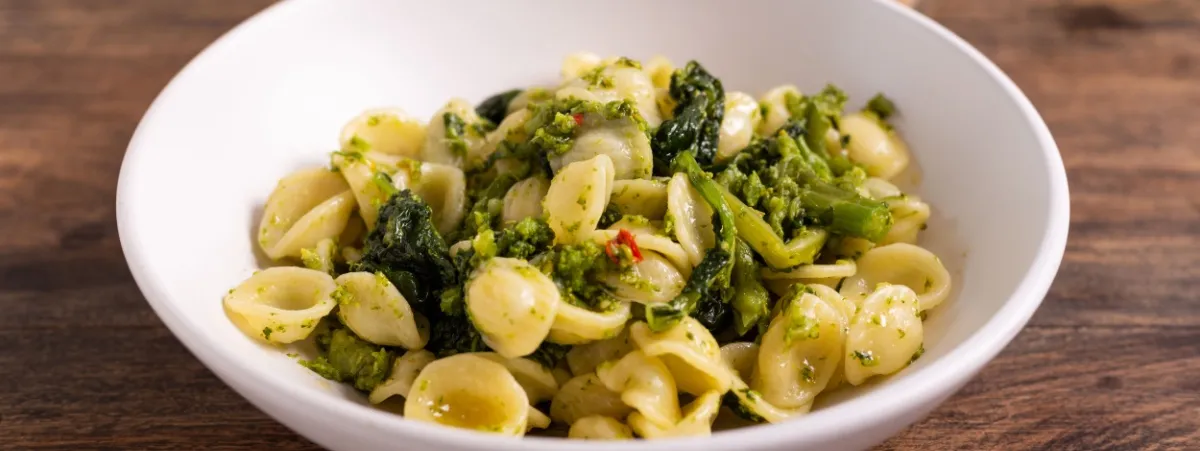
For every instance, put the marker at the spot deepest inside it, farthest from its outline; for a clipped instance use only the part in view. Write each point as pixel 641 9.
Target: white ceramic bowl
pixel 271 96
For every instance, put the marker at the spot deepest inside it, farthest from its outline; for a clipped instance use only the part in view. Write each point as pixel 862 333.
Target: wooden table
pixel 1110 361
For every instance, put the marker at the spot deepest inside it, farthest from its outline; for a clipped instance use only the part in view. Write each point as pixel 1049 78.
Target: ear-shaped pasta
pixel 659 68
pixel 645 384
pixel 586 357
pixel 619 139
pixel 750 405
pixel 838 270
pixel 801 350
pixel 524 199
pixel 529 96
pixel 692 216
pixel 538 382
pixel 774 110
pixel 697 420
pixel 741 357
pixel 880 151
pixel 647 198
pixel 614 81
pixel 689 351
pixel 650 281
pixel 737 127
pixel 371 189
pixel 537 420
pixel 576 325
pixel 376 311
pixel 908 211
pixel 900 264
pixel 281 304
pixel 306 207
pixel 404 371
pixel 453 135
pixel 470 392
pixel 386 130
pixel 578 63
pixel 670 250
pixel 599 427
pixel 512 304
pixel 585 395
pixel 511 129
pixel 577 197
pixel 444 188
pixel 885 335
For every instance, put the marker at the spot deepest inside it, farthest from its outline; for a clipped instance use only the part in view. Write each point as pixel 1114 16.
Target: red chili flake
pixel 578 118
pixel 624 237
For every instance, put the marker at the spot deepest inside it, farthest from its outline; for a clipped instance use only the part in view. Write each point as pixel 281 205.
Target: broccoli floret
pixel 881 106
pixel 347 358
pixel 406 247
pixel 496 107
pixel 696 125
pixel 577 269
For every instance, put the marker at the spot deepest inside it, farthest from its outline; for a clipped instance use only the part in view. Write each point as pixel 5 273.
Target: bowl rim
pixel 889 401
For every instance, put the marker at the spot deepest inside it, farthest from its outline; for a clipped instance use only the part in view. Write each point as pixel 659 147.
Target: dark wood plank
pixel 1111 360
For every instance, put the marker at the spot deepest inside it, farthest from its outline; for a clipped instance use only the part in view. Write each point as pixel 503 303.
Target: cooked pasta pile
pixel 629 253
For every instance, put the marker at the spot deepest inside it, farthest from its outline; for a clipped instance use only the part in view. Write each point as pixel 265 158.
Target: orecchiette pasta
pixel 454 135
pixel 900 264
pixel 645 384
pixel 652 280
pixel 400 380
pixel 305 208
pixel 646 198
pixel 697 419
pixel 879 150
pixel 538 382
pixel 552 245
pixel 444 189
pixel 774 110
pixel 387 130
pixel 512 304
pixel 376 311
pixel 586 357
pixel 469 391
pixel 524 199
pixel 577 197
pixel 281 304
pixel 692 216
pixel 885 335
pixel 585 395
pixel 577 325
pixel 800 352
pixel 737 127
pixel 690 352
pixel 599 427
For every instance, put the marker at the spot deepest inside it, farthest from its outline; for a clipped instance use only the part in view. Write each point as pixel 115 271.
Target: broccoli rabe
pixel 494 108
pixel 696 125
pixel 820 113
pixel 347 358
pixel 713 271
pixel 751 302
pixel 406 247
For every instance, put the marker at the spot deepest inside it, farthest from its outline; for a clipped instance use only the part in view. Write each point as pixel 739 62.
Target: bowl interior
pixel 271 97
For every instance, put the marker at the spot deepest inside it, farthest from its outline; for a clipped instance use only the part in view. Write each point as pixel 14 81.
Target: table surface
pixel 1110 361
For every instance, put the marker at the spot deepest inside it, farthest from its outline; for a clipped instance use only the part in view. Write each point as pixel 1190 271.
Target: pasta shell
pixel 689 351
pixel 512 304
pixel 313 199
pixel 645 384
pixel 880 151
pixel 599 427
pixel 400 380
pixel 884 335
pixel 376 311
pixel 524 199
pixel 470 392
pixel 386 130
pixel 900 264
pixel 692 216
pixel 737 127
pixel 281 304
pixel 577 197
pixel 583 396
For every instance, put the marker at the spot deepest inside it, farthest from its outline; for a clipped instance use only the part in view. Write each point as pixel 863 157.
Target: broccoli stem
pixel 758 234
pixel 716 264
pixel 750 299
pixel 843 211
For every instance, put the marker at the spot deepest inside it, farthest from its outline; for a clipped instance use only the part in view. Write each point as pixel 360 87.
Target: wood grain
pixel 1110 361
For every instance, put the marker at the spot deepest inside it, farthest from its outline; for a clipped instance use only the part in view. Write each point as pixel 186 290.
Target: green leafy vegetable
pixel 494 108
pixel 406 247
pixel 696 126
pixel 881 106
